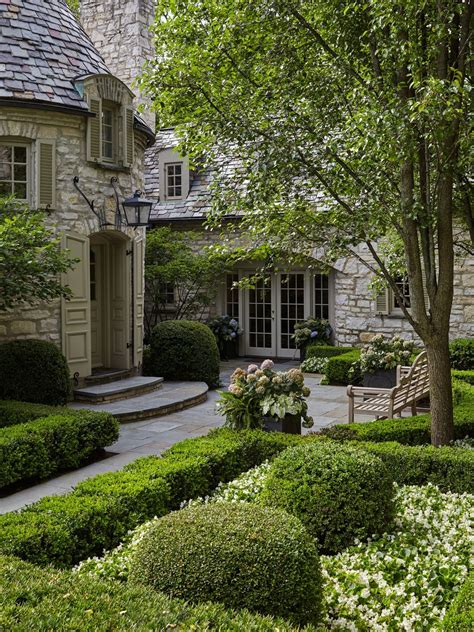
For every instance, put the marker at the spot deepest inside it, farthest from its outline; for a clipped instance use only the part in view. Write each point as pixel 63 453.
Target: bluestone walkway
pixel 327 404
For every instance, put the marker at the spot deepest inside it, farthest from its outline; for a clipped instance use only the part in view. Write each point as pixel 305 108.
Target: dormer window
pixel 110 133
pixel 174 180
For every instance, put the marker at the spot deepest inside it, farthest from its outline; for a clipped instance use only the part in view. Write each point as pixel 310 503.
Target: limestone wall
pixel 120 31
pixel 356 317
pixel 71 212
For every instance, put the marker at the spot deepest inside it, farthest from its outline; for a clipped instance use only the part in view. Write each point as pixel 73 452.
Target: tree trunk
pixel 441 396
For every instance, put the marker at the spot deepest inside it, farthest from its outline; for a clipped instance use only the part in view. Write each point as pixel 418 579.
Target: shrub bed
pixel 45 446
pixel 338 369
pixel 184 350
pixel 13 412
pixel 451 469
pixel 464 376
pixel 33 371
pixel 240 555
pixel 33 598
pixel 460 615
pixel 63 530
pixel 314 350
pixel 339 492
pixel 461 352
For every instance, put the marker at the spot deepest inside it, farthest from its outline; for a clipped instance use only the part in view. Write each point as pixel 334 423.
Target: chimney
pixel 120 31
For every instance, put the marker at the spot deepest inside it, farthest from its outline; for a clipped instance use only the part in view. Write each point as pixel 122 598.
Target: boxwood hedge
pixel 338 369
pixel 63 530
pixel 34 450
pixel 460 614
pixel 33 598
pixel 339 492
pixel 33 371
pixel 242 555
pixel 314 350
pixel 409 430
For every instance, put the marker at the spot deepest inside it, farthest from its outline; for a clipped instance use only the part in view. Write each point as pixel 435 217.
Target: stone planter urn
pixel 290 424
pixel 383 378
pixel 228 349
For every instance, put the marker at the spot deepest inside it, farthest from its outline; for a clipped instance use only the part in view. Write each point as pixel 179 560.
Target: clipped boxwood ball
pixel 339 492
pixel 183 350
pixel 33 371
pixel 242 555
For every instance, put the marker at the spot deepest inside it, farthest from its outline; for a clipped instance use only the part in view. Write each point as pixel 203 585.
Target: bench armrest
pixel 365 391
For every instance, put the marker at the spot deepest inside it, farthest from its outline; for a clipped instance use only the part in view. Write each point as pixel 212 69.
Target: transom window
pixel 109 132
pixel 14 170
pixel 174 180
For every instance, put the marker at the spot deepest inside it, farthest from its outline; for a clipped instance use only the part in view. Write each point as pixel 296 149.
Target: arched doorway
pixel 109 279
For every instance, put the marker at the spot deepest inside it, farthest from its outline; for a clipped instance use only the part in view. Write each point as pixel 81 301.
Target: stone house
pixel 119 28
pixel 268 313
pixel 65 115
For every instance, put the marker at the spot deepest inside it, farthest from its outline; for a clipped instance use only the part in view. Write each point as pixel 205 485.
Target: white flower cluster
pixel 404 580
pixel 314 365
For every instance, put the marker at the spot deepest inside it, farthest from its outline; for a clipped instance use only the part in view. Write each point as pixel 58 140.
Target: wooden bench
pixel 413 384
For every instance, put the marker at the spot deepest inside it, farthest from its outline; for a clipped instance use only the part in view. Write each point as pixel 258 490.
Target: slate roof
pixel 42 49
pixel 198 201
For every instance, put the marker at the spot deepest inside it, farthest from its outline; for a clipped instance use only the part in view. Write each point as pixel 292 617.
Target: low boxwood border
pixel 409 430
pixel 37 598
pixel 314 350
pixel 96 516
pixel 66 439
pixel 338 369
pixel 451 469
pixel 460 614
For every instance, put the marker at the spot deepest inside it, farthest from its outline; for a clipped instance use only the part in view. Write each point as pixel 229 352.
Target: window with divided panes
pixel 174 180
pixel 321 296
pixel 232 296
pixel 292 292
pixel 14 170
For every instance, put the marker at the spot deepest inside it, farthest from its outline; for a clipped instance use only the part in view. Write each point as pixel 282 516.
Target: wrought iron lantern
pixel 137 210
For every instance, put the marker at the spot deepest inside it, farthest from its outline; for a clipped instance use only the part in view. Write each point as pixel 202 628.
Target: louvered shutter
pixel 46 173
pixel 94 131
pixel 382 301
pixel 128 139
pixel 425 291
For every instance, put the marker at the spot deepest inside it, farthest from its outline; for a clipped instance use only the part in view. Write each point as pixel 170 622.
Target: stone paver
pixel 327 404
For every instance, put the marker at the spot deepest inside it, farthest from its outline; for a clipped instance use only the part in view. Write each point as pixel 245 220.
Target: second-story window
pixel 14 170
pixel 404 289
pixel 174 180
pixel 109 132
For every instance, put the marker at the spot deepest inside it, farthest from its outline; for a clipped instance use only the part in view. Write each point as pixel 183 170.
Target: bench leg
pixel 350 417
pixel 413 409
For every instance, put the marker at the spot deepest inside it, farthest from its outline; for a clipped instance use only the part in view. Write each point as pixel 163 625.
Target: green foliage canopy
pixel 31 258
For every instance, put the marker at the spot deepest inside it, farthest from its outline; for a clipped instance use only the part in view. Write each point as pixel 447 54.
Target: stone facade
pixel 355 316
pixel 70 213
pixel 120 30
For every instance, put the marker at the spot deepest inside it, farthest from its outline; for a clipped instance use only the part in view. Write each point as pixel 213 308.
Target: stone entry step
pixel 104 376
pixel 121 389
pixel 170 398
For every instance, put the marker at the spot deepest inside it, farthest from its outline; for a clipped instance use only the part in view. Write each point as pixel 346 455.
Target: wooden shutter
pixel 46 173
pixel 75 313
pixel 138 299
pixel 128 137
pixel 94 131
pixel 382 301
pixel 425 291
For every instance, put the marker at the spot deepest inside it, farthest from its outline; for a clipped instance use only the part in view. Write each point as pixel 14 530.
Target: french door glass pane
pixel 291 306
pixel 260 314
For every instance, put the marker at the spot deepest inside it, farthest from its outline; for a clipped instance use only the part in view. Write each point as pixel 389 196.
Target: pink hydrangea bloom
pixel 252 368
pixel 266 364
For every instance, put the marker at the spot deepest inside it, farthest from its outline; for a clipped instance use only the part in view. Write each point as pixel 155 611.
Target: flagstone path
pixel 327 404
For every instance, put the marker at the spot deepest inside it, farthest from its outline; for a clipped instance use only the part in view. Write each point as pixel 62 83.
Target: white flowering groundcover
pixel 403 580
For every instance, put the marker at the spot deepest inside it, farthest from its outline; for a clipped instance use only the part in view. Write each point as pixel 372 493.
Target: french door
pixel 271 310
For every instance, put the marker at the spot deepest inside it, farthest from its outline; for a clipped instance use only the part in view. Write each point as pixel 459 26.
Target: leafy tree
pixel 31 258
pixel 75 7
pixel 348 123
pixel 179 282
